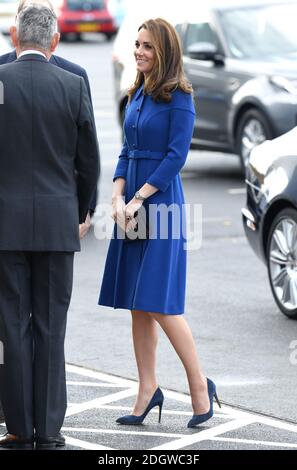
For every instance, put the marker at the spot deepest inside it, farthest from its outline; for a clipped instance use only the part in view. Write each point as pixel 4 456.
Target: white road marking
pixel 166 412
pixel 92 384
pixel 84 444
pixel 100 401
pixel 93 374
pixel 204 435
pixel 124 433
pixel 255 442
pixel 237 418
pixel 275 423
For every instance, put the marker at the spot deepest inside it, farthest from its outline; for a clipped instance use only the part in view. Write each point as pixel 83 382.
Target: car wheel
pixel 253 129
pixel 282 261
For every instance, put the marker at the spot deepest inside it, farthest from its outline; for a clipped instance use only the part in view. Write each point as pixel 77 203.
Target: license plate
pixel 88 27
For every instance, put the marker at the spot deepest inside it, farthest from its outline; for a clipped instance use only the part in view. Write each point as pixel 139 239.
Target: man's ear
pixel 13 36
pixel 54 42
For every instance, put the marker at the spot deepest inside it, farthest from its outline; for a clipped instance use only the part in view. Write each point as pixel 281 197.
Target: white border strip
pixel 124 433
pixel 75 409
pixel 252 441
pixel 84 444
pixel 204 435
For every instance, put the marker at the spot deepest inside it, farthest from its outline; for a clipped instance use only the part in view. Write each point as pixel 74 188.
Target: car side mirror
pixel 205 51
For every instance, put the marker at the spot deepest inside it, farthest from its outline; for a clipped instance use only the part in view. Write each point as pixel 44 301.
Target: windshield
pixel 86 5
pixel 261 32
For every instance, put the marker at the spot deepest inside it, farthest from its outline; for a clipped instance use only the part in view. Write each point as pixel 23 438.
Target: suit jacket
pixel 70 67
pixel 48 156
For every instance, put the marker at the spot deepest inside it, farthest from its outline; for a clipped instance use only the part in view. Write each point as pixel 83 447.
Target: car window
pixel 200 32
pixel 86 5
pixel 267 31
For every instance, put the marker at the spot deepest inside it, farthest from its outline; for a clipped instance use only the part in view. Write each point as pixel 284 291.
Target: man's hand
pixel 84 228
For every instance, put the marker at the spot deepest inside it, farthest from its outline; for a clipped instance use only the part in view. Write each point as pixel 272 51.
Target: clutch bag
pixel 141 230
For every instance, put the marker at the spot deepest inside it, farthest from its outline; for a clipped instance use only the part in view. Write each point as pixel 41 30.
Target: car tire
pixel 252 129
pixel 282 261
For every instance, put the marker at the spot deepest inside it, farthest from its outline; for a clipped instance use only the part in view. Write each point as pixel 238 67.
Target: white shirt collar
pixel 32 51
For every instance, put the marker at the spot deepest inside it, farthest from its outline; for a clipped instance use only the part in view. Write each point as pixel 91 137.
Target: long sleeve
pixel 87 158
pixel 122 165
pixel 180 134
pixel 94 199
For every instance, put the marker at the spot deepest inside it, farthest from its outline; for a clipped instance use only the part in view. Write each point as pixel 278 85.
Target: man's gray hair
pixel 36 25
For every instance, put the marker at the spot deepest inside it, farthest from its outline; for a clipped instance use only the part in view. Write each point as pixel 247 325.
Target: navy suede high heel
pixel 198 419
pixel 157 400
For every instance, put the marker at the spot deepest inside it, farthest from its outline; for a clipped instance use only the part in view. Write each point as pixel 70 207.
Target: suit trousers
pixel 35 292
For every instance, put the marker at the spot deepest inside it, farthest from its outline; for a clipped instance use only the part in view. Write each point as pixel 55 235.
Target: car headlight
pixel 284 84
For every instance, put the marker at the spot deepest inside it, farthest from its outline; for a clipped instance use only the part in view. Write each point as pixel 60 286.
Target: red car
pixel 85 16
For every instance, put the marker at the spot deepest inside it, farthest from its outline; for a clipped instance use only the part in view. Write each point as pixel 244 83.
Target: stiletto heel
pixel 157 400
pixel 160 412
pixel 212 393
pixel 217 400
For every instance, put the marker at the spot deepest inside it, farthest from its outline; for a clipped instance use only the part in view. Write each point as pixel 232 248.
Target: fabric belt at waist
pixel 146 154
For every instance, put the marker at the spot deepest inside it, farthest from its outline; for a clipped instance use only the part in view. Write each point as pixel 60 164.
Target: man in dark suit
pixel 70 67
pixel 48 173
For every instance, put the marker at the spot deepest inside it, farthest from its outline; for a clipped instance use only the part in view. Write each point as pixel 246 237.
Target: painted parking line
pixel 92 384
pixel 123 433
pixel 206 435
pixel 235 419
pixel 84 444
pixel 228 419
pixel 255 442
pixel 97 402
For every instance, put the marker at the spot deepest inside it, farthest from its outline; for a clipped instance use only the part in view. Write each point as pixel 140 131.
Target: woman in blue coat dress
pixel 148 275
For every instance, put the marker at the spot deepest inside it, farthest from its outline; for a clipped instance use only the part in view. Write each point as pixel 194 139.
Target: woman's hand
pixel 133 206
pixel 118 211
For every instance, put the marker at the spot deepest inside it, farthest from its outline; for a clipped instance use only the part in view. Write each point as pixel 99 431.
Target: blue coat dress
pixel 150 275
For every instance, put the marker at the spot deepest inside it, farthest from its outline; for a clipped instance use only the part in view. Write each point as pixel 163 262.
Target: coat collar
pixel 12 57
pixel 139 92
pixel 37 57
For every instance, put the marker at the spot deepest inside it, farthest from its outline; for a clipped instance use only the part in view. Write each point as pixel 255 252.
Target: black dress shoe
pixel 50 442
pixel 10 441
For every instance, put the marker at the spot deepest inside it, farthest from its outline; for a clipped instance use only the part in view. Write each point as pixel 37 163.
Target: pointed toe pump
pixel 198 419
pixel 157 400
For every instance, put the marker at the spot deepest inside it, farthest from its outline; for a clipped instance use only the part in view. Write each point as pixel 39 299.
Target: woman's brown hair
pixel 167 74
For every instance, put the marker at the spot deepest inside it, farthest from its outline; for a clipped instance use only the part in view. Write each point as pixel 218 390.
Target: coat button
pixel 133 127
pixel 134 145
pixel 138 109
